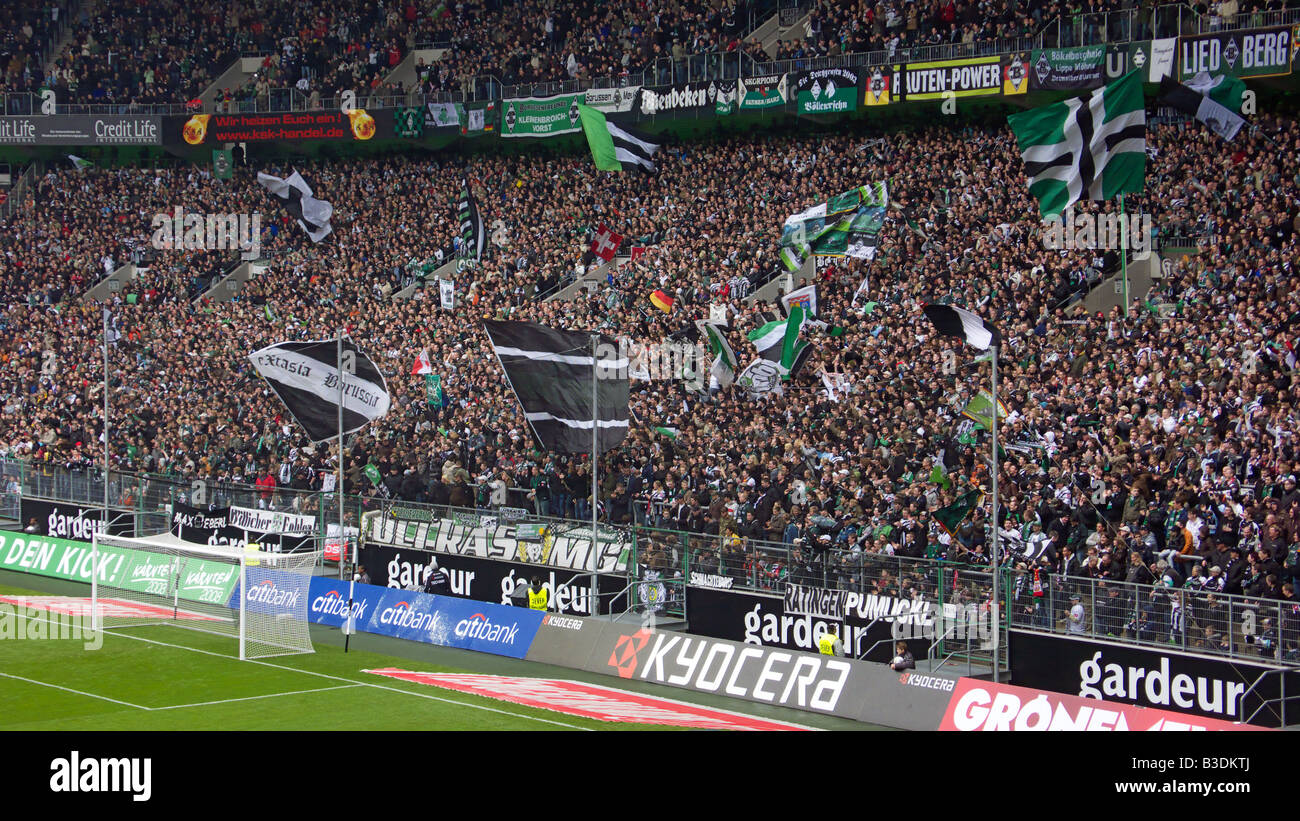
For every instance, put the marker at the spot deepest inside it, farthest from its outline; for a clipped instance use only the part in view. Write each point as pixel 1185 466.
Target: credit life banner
pixel 974 77
pixel 541 116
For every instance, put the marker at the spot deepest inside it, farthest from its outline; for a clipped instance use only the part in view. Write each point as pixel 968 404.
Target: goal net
pixel 256 597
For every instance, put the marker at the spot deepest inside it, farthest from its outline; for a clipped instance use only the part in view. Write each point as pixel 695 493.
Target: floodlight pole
pixel 106 449
pixel 997 634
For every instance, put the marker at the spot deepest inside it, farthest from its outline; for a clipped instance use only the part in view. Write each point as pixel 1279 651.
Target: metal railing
pixel 1249 628
pixel 1170 20
pixel 1244 627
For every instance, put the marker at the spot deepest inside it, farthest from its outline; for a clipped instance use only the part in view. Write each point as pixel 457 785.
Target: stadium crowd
pixel 124 51
pixel 1137 449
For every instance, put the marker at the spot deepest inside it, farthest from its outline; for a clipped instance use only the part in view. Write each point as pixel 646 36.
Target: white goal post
pixel 257 597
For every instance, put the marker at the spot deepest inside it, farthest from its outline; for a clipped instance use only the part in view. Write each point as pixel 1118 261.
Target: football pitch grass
pixel 160 677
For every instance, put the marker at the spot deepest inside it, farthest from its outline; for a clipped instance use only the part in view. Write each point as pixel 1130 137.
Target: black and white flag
pixel 550 372
pixel 295 194
pixel 950 320
pixel 472 233
pixel 305 377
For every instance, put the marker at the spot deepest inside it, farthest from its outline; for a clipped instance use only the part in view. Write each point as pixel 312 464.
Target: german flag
pixel 662 301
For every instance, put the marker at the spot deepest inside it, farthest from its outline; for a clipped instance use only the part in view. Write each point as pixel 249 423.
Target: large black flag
pixel 295 193
pixel 550 372
pixel 472 233
pixel 305 376
pixel 951 320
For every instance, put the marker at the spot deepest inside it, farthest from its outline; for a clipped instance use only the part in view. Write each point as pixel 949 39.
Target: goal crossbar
pixel 257 597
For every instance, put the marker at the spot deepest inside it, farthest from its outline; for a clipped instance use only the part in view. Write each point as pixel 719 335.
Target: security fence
pixel 1243 627
pixel 1129 25
pixel 1248 628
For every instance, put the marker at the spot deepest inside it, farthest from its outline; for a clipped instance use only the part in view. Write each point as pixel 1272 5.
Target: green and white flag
pixel 725 364
pixel 951 517
pixel 1214 101
pixel 614 147
pixel 1091 147
pixel 223 162
pixel 80 164
pixel 433 389
pixel 980 409
pixel 671 433
pixel 778 342
pixel 846 225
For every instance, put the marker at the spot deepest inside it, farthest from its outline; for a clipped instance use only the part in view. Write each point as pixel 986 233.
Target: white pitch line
pixel 361 683
pixel 70 690
pixel 253 698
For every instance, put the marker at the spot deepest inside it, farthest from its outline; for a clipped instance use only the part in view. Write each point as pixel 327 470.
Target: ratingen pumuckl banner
pixel 827 91
pixel 541 116
pixel 1256 53
pixel 865 624
pixel 1067 68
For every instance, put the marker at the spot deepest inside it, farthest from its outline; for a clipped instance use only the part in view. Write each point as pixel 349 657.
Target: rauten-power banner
pixel 541 116
pixel 77 129
pixel 976 77
pixel 983 705
pixel 762 92
pixel 827 91
pixel 1067 68
pixel 1258 53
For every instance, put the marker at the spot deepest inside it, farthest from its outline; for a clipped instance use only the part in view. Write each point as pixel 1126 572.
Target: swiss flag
pixel 422 364
pixel 606 243
pixel 637 251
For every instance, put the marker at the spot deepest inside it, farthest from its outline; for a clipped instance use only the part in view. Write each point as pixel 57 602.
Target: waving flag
pixel 615 147
pixel 550 372
pixel 606 242
pixel 305 377
pixel 422 364
pixel 296 195
pixel 1090 147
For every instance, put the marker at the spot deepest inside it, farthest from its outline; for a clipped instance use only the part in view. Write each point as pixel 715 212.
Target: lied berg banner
pixel 1252 53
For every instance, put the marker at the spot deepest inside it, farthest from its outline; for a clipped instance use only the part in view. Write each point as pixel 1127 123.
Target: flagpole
pixel 1123 254
pixel 343 534
pixel 595 455
pixel 997 634
pixel 106 450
